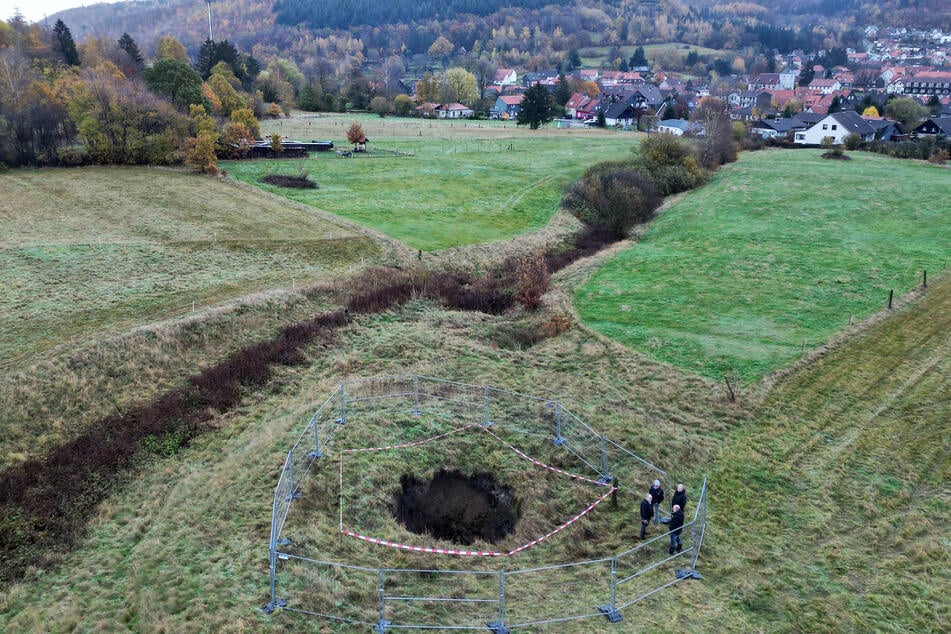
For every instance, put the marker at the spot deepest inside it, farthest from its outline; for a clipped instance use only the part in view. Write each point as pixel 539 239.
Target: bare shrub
pixel 531 279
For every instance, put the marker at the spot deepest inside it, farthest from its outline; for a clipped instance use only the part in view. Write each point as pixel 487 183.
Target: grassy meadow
pixel 457 183
pixel 97 249
pixel 829 504
pixel 778 254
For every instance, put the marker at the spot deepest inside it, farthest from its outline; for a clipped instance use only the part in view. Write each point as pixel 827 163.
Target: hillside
pixel 531 33
pixel 834 505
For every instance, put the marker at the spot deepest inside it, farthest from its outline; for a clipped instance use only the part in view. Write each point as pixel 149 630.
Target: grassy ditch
pixel 781 251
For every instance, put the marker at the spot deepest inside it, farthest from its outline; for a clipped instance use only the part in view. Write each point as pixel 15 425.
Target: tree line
pixel 100 102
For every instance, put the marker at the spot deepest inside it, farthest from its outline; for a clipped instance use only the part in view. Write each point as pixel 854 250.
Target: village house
pixel 836 126
pixel 453 111
pixel 506 107
pixel 934 127
pixel 505 77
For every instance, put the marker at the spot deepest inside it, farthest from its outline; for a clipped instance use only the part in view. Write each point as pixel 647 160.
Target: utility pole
pixel 211 36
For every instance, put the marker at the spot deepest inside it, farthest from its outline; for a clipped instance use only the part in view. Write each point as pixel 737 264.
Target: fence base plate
pixel 558 441
pixel 611 614
pixel 315 454
pixel 684 573
pixel 273 605
pixel 498 627
pixel 382 626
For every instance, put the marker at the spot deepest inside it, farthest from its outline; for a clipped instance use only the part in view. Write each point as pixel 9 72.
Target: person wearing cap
pixel 680 498
pixel 647 512
pixel 676 526
pixel 657 495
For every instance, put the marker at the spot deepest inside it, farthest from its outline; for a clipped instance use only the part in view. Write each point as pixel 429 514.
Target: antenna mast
pixel 211 36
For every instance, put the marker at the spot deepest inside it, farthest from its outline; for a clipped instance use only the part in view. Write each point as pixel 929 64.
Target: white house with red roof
pixel 505 77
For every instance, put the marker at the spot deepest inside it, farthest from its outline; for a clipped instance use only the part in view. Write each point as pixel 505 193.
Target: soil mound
pixel 456 507
pixel 283 180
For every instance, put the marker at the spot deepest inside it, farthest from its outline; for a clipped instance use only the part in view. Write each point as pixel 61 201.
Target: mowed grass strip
pixel 834 509
pixel 772 258
pixel 445 191
pixel 83 250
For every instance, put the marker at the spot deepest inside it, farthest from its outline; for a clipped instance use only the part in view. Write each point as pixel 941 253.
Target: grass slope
pixel 487 183
pixel 833 510
pixel 776 255
pixel 83 250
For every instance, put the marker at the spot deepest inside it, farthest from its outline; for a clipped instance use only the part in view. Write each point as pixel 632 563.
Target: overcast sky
pixel 34 10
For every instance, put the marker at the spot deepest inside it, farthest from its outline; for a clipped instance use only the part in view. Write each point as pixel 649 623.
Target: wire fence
pixel 391 412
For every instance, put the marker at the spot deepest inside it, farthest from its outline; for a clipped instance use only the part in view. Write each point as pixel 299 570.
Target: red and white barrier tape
pixel 573 476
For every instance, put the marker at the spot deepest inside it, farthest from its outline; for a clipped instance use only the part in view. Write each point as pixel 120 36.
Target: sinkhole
pixel 456 507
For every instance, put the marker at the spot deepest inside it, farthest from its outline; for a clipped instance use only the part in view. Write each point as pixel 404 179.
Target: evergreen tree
pixel 66 44
pixel 127 44
pixel 563 91
pixel 536 107
pixel 638 59
pixel 211 53
pixel 574 60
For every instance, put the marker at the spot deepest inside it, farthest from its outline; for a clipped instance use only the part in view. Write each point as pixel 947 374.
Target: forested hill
pixel 342 14
pixel 524 33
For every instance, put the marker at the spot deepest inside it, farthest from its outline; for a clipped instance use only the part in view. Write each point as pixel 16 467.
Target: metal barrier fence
pixel 395 409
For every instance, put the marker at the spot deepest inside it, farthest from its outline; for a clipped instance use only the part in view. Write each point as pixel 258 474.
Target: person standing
pixel 680 498
pixel 647 512
pixel 676 526
pixel 657 495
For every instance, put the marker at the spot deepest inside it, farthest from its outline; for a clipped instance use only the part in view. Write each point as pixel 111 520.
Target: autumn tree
pixel 200 153
pixel 228 98
pixel 403 104
pixel 170 48
pixel 355 134
pixel 427 89
pixel 536 107
pixel 381 106
pixel 906 110
pixel 245 116
pixel 440 48
pixel 458 84
pixel 175 80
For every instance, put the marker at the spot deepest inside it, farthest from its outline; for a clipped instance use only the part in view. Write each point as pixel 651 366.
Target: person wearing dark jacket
pixel 647 512
pixel 676 526
pixel 680 498
pixel 657 495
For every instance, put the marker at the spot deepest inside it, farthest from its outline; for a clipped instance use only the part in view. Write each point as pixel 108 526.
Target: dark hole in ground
pixel 456 507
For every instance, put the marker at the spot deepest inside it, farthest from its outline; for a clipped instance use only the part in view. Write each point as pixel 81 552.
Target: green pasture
pixel 596 56
pixel 445 191
pixel 780 252
pixel 83 250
